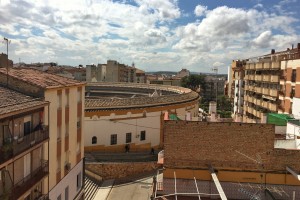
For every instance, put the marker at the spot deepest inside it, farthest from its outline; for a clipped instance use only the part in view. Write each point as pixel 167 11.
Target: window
pixel 67 193
pixel 94 140
pixel 58 132
pixel 79 181
pixel 27 128
pixel 78 122
pixel 113 139
pixel 67 129
pixel 143 135
pixel 128 137
pixel 294 75
pixel 79 95
pixel 59 101
pixel 67 97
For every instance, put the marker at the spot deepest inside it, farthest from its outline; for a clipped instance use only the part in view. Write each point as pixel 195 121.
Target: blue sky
pixel 154 34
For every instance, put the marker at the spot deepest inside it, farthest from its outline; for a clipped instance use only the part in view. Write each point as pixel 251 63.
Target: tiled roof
pixel 181 95
pixel 11 101
pixel 39 78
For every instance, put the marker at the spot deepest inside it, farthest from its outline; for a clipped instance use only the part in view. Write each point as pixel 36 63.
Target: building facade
pixel 270 84
pixel 65 118
pixel 132 114
pixel 227 160
pixel 237 89
pixel 24 146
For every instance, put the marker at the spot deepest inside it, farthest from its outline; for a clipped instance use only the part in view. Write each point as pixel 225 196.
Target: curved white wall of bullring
pixel 102 123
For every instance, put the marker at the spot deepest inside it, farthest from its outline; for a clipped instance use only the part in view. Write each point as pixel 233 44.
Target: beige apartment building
pixel 24 146
pixel 64 116
pixel 270 83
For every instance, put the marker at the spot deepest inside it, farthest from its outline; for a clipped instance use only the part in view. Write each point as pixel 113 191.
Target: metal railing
pixel 14 146
pixel 27 182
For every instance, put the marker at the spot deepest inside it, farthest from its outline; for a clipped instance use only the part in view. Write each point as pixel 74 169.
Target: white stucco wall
pixel 103 128
pixel 70 180
pixel 296 108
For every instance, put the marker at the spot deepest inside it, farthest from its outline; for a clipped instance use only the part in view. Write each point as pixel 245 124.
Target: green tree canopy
pixel 193 81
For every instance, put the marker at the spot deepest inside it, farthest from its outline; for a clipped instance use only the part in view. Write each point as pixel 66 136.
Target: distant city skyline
pixel 156 35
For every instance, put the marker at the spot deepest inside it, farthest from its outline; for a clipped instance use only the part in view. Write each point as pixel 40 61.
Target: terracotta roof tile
pixel 11 101
pixel 40 78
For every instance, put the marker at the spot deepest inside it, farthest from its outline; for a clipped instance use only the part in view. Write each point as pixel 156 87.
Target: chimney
pixel 273 51
pixel 292 46
pixel 298 46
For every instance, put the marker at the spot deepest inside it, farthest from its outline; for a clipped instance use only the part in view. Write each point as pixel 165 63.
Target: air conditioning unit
pixel 68 166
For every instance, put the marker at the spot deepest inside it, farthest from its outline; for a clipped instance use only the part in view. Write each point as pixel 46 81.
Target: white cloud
pixel 200 10
pixel 263 40
pixel 146 32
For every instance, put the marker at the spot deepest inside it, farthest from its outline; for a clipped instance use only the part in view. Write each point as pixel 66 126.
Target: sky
pixel 155 35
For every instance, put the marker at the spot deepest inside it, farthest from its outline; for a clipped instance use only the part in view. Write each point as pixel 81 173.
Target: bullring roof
pixel 179 95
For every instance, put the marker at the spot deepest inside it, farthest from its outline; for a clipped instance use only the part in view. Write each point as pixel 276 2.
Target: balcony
pixel 259 65
pixel 246 77
pixel 252 77
pixel 267 65
pixel 266 78
pixel 273 93
pixel 13 147
pixel 266 91
pixel 252 66
pixel 275 65
pixel 246 87
pixel 251 88
pixel 258 77
pixel 29 181
pixel 274 78
pixel 258 102
pixel 250 99
pixel 5 184
pixel 272 107
pixel 247 66
pixel 258 89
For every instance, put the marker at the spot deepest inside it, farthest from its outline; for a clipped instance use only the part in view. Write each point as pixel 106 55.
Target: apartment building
pixel 214 86
pixel 270 84
pixel 24 146
pixel 140 76
pixel 65 120
pixel 237 88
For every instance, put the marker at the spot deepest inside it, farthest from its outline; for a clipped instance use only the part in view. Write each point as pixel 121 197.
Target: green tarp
pixel 174 117
pixel 278 119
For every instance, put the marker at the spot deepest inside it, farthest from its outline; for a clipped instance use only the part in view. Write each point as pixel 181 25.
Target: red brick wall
pixel 195 145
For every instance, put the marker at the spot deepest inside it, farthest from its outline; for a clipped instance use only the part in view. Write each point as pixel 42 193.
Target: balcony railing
pixel 275 65
pixel 14 146
pixel 5 184
pixel 258 77
pixel 273 92
pixel 274 78
pixel 267 65
pixel 266 78
pixel 29 181
pixel 259 65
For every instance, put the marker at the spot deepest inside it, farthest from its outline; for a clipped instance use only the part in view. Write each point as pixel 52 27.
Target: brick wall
pixel 195 145
pixel 21 86
pixel 120 170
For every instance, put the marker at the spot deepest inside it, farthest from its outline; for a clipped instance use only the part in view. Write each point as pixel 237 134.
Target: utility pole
pixel 7 42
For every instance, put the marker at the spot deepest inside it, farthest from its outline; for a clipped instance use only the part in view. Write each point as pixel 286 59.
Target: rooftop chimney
pixel 298 46
pixel 273 51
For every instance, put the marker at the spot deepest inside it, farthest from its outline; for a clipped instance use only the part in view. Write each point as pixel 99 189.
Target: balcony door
pixel 27 164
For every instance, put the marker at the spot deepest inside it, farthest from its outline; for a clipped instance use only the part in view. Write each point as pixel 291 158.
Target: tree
pixel 193 82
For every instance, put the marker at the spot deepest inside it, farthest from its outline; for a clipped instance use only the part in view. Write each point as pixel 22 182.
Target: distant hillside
pixel 175 73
